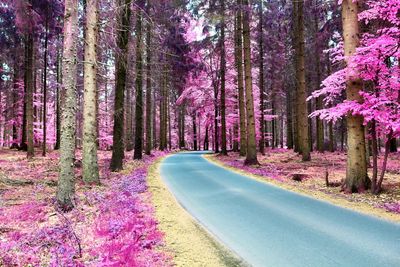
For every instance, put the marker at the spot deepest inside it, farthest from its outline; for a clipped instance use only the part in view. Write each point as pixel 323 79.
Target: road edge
pixel 188 241
pixel 359 207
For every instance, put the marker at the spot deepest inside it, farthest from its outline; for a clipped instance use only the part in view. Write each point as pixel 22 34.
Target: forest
pixel 97 97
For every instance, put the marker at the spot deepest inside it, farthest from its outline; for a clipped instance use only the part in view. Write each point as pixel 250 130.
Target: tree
pixel 356 172
pixel 301 94
pixel 251 154
pixel 261 75
pixel 120 77
pixel 137 154
pixel 29 80
pixel 66 181
pixel 239 69
pixel 149 116
pixel 222 77
pixel 90 168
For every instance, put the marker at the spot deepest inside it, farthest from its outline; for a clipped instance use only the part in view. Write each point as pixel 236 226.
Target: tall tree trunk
pixel 289 121
pixel 46 38
pixel 90 168
pixel 66 182
pixel 154 121
pixel 15 93
pixel 356 173
pixel 332 139
pixel 222 74
pixel 169 124
pixel 128 119
pixel 251 155
pixel 374 157
pixel 148 84
pixel 216 128
pixel 29 84
pixel 163 113
pixel 261 76
pixel 120 76
pixel 194 132
pixel 319 100
pixel 301 103
pixel 239 69
pixel 137 154
pixel 58 99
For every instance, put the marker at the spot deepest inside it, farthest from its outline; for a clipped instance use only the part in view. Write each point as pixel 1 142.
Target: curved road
pixel 269 226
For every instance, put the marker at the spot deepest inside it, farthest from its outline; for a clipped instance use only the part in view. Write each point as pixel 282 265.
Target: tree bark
pixel 301 102
pixel 261 76
pixel 356 173
pixel 251 155
pixel 148 85
pixel 90 168
pixel 222 74
pixel 46 39
pixel 66 182
pixel 58 99
pixel 120 76
pixel 239 69
pixel 137 154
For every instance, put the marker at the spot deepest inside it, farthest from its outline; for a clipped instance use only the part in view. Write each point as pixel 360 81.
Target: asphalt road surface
pixel 269 226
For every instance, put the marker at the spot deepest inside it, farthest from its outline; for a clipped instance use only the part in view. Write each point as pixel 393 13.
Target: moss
pixel 186 240
pixel 332 199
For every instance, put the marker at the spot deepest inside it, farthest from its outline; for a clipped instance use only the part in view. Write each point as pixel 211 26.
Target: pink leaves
pixel 125 227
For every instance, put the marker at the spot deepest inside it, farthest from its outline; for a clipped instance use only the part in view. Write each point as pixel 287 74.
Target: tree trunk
pixel 194 132
pixel 137 154
pixel 46 38
pixel 163 113
pixel 239 69
pixel 222 76
pixel 356 174
pixel 29 85
pixel 120 76
pixel 301 103
pixel 374 157
pixel 66 182
pixel 289 121
pixel 384 164
pixel 58 100
pixel 216 128
pixel 251 155
pixel 319 100
pixel 90 168
pixel 148 85
pixel 261 76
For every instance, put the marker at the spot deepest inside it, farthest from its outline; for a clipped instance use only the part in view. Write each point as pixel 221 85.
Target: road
pixel 269 226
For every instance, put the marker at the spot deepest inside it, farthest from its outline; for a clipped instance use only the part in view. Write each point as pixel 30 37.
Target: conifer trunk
pixel 356 173
pixel 239 69
pixel 66 182
pixel 137 154
pixel 301 103
pixel 261 76
pixel 222 73
pixel 46 39
pixel 120 76
pixel 251 155
pixel 148 85
pixel 90 168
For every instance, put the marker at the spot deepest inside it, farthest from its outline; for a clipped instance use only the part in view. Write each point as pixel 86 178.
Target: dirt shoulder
pixel 188 242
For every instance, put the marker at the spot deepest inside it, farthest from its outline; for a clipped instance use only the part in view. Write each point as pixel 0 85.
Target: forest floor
pixel 284 168
pixel 113 223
